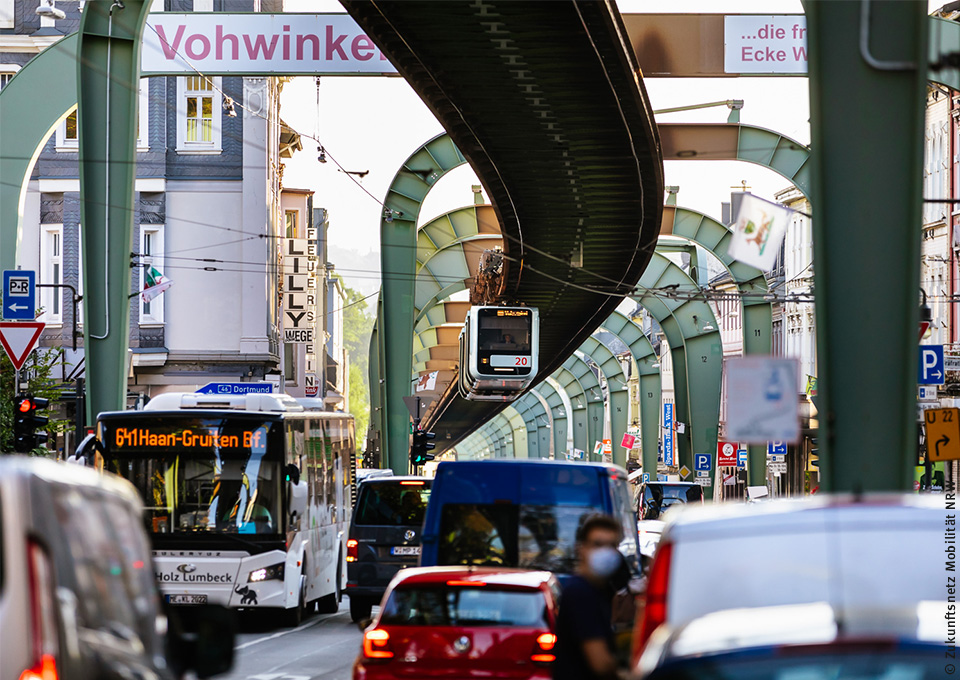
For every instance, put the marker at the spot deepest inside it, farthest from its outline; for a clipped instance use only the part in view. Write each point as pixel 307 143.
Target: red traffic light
pixel 26 405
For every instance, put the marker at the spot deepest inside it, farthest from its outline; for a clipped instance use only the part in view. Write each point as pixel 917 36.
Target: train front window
pixel 504 341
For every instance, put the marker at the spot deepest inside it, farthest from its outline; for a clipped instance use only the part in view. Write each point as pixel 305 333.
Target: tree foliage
pixel 39 373
pixel 357 325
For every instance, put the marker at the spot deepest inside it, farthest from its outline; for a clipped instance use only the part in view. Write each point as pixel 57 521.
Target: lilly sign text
pixel 259 44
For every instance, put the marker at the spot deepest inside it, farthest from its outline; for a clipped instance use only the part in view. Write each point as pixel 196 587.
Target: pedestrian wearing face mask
pixel 585 644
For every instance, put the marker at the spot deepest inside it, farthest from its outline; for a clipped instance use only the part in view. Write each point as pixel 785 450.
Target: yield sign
pixel 19 339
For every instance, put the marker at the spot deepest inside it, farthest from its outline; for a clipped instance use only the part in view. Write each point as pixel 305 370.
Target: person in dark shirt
pixel 585 646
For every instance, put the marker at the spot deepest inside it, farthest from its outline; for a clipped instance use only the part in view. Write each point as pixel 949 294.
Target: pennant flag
pixel 758 232
pixel 154 283
pixel 427 382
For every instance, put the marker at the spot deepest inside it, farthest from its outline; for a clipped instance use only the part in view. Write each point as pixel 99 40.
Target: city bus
pixel 247 498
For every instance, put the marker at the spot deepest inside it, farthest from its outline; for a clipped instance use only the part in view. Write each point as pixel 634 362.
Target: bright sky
pixel 374 123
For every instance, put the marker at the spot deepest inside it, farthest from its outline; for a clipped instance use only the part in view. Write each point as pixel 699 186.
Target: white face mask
pixel 604 562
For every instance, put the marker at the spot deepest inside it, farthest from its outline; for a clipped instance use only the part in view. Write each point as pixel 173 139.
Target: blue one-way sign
pixel 930 366
pixel 19 295
pixel 236 388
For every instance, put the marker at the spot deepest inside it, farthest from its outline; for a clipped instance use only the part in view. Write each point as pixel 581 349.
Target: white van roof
pixel 174 401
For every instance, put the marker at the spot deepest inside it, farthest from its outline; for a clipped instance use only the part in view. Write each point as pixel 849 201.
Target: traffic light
pixel 421 444
pixel 26 421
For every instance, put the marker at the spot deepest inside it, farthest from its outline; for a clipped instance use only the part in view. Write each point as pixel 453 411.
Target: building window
pixel 291 218
pixel 151 255
pixel 51 272
pixel 7 71
pixel 67 137
pixel 198 115
pixel 68 134
pixel 289 363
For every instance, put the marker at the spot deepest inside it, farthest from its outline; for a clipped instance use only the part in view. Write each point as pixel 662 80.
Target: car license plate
pixel 405 550
pixel 187 599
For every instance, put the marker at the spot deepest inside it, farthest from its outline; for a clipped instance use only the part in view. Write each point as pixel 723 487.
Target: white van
pixel 883 551
pixel 78 598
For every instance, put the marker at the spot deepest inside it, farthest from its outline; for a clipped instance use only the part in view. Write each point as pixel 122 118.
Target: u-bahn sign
pixel 268 44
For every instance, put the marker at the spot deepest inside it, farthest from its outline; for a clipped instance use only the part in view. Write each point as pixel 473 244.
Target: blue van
pixel 522 513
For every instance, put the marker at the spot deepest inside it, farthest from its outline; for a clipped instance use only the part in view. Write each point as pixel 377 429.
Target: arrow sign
pixel 19 295
pixel 930 365
pixel 19 339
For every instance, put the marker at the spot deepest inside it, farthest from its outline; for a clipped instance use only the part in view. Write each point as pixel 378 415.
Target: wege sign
pixel 277 44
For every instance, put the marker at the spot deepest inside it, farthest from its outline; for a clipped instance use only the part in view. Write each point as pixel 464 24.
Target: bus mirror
pixel 293 473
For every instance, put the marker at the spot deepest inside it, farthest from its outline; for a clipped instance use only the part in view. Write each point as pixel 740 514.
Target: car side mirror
pixel 207 648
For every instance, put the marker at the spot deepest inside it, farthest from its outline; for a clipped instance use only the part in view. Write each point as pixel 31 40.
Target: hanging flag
pixel 427 382
pixel 811 386
pixel 758 232
pixel 154 283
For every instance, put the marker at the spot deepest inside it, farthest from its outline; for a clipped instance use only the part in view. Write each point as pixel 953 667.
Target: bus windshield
pixel 200 474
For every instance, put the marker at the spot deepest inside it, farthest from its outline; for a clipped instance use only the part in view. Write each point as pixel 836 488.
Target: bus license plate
pixel 405 550
pixel 187 599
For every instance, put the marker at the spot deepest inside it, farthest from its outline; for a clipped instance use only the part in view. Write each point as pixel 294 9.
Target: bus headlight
pixel 267 573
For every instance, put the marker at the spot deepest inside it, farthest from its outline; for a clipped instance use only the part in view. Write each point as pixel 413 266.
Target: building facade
pixel 207 218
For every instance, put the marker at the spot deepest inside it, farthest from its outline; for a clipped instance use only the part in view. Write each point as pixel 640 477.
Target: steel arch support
pixel 698 364
pixel 578 406
pixel 867 376
pixel 398 266
pixel 618 409
pixel 649 384
pixel 738 142
pixel 757 312
pixel 594 398
pixel 27 121
pixel 530 409
pixel 108 77
pixel 546 427
pixel 558 404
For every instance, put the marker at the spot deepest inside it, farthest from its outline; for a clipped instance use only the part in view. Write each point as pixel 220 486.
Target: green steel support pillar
pixel 108 77
pixel 868 79
pixel 27 120
pixel 650 396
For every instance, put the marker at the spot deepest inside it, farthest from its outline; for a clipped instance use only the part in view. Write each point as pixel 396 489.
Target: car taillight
pixel 543 649
pixel 352 550
pixel 376 644
pixel 655 610
pixel 43 625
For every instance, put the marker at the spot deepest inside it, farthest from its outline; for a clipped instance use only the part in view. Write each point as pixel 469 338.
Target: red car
pixel 463 622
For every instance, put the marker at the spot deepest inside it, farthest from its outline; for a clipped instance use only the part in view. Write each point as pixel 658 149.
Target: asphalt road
pixel 323 646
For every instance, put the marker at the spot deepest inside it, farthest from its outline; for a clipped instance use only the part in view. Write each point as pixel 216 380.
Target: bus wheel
pixel 294 617
pixel 330 604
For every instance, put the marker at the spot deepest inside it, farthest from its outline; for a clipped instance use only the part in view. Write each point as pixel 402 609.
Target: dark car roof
pixel 501 576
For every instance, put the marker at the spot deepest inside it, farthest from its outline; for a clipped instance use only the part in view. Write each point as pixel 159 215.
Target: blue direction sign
pixel 742 459
pixel 930 365
pixel 19 295
pixel 701 461
pixel 776 448
pixel 236 388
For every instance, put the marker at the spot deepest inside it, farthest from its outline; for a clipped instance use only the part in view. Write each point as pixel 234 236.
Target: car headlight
pixel 266 574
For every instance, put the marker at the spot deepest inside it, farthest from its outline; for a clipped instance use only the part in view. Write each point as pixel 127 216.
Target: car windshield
pixel 394 503
pixel 464 606
pixel 505 535
pixel 201 475
pixel 885 664
pixel 659 497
